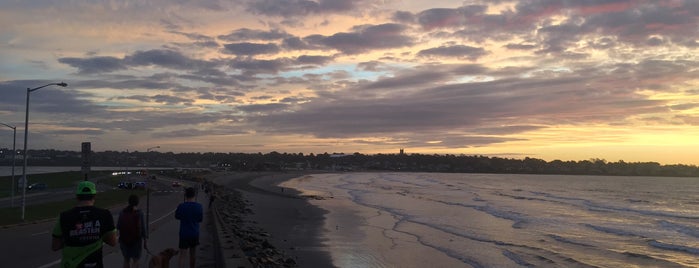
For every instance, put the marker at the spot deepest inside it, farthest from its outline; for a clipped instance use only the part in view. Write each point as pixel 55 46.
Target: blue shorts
pixel 189 242
pixel 131 251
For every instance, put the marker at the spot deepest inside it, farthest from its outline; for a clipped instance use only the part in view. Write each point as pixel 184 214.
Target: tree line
pixel 275 161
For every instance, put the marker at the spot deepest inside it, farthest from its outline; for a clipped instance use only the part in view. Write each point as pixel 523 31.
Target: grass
pixel 52 180
pixel 51 210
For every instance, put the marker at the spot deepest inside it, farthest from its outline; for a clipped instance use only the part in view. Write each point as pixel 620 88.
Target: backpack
pixel 130 227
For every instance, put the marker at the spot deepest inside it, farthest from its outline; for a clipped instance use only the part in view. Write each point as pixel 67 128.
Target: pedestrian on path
pixel 190 214
pixel 212 197
pixel 81 230
pixel 132 233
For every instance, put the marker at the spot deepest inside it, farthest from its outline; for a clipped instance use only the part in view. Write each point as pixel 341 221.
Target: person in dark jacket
pixel 132 233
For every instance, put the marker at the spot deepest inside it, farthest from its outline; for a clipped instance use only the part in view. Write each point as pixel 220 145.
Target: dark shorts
pixel 131 251
pixel 189 242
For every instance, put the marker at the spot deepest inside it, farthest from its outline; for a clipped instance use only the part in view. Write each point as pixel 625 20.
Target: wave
pixel 683 229
pixel 673 247
pixel 614 231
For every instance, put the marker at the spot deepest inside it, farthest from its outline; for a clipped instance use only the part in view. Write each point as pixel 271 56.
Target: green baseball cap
pixel 85 188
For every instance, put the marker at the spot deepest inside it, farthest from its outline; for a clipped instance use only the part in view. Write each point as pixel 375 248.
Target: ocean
pixel 502 220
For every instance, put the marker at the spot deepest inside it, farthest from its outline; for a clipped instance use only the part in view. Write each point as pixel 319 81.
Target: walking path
pixel 164 234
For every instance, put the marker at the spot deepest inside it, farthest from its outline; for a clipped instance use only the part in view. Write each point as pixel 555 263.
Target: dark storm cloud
pixel 250 49
pixel 94 65
pixel 456 51
pixel 244 34
pixel 294 8
pixel 364 38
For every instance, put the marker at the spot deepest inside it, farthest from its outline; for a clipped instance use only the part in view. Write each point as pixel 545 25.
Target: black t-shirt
pixel 82 230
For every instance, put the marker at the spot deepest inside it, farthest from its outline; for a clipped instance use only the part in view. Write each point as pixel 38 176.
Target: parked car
pixel 139 185
pixel 37 186
pixel 176 184
pixel 125 185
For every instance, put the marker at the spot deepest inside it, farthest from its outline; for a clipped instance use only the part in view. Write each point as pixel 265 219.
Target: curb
pixel 235 257
pixel 220 261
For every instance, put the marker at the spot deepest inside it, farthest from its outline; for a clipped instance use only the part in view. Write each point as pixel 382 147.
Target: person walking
pixel 132 233
pixel 81 230
pixel 190 214
pixel 212 197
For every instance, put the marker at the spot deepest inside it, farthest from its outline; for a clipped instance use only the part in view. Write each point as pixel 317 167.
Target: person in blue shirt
pixel 190 214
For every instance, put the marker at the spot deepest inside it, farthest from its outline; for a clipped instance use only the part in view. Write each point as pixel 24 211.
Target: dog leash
pixel 145 246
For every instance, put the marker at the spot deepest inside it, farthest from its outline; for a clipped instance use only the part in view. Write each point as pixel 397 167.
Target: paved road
pixel 30 245
pixel 59 194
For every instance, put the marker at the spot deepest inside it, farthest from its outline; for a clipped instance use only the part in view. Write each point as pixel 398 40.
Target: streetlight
pixel 148 196
pixel 26 132
pixel 14 154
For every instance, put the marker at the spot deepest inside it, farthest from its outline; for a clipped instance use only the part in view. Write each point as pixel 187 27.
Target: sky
pixel 554 80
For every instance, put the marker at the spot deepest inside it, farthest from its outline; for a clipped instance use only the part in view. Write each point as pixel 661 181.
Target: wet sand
pixel 267 225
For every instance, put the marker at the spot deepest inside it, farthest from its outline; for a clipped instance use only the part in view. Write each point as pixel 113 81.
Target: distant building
pixel 401 151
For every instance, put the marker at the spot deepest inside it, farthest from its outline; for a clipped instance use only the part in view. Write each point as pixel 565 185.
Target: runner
pixel 190 213
pixel 80 231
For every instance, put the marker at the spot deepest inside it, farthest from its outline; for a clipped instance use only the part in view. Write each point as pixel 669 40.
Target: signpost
pixel 86 153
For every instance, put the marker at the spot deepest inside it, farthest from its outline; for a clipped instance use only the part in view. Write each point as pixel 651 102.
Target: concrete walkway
pixel 164 234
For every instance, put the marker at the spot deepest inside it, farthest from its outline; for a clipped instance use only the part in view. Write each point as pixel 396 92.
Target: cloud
pixel 250 49
pixel 364 38
pixel 295 8
pixel 164 58
pixel 455 51
pixel 251 34
pixel 158 98
pixel 315 60
pixel 94 65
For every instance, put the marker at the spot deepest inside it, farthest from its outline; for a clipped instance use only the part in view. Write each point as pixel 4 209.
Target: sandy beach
pixel 265 224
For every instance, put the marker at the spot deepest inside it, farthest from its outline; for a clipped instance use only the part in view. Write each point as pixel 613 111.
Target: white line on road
pixel 50 264
pixel 168 214
pixel 46 232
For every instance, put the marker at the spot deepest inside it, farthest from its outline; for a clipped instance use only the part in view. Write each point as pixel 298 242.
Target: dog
pixel 162 260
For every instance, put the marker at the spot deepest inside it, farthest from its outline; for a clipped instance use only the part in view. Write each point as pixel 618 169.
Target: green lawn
pixel 51 210
pixel 52 180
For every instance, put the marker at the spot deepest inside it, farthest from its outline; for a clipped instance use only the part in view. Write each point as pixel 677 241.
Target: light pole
pixel 148 196
pixel 26 133
pixel 14 154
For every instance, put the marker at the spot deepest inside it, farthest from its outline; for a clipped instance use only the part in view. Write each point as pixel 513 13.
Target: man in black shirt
pixel 80 231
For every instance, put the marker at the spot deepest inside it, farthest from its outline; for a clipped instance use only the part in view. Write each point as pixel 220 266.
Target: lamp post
pixel 26 133
pixel 14 154
pixel 148 196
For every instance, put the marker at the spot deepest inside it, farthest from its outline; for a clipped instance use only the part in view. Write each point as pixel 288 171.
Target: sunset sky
pixel 549 79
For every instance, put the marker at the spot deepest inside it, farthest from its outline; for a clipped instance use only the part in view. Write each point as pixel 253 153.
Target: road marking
pixel 163 216
pixel 46 232
pixel 50 264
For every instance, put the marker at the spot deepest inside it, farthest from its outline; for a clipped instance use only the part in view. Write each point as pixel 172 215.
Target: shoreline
pixel 273 226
